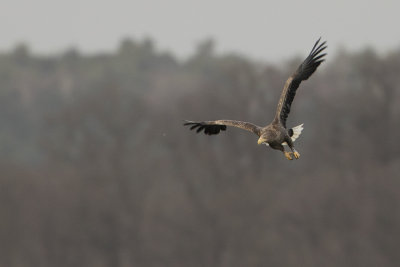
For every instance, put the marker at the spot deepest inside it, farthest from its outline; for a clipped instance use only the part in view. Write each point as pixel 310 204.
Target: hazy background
pixel 96 168
pixel 264 30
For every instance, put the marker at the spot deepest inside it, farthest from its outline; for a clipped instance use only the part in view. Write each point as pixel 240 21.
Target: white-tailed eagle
pixel 274 134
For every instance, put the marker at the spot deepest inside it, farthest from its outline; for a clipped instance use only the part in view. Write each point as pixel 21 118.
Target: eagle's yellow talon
pixel 296 154
pixel 287 155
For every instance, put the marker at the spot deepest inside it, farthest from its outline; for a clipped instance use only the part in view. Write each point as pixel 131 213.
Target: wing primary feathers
pixel 215 127
pixel 316 43
pixel 303 72
pixel 209 129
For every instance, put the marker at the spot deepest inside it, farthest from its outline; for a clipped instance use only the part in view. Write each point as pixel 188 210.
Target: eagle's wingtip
pixel 186 122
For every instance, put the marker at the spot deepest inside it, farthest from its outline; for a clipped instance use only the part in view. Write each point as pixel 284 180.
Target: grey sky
pixel 268 30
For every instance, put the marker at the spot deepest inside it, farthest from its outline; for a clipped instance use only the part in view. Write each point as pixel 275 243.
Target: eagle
pixel 275 134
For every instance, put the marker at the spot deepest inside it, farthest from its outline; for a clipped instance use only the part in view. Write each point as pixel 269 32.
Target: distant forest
pixel 97 169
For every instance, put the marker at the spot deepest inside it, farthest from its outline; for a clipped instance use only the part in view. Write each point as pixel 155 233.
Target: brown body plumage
pixel 274 134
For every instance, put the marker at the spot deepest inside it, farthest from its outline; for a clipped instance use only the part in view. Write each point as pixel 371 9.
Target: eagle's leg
pixel 287 155
pixel 296 154
pixel 290 144
pixel 281 148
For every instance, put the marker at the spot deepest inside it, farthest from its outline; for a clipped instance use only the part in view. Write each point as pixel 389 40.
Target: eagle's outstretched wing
pixel 214 127
pixel 303 72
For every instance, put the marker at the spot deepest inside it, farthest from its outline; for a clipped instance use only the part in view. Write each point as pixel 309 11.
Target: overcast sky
pixel 267 30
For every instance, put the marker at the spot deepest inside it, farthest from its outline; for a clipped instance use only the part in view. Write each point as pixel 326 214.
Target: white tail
pixel 297 131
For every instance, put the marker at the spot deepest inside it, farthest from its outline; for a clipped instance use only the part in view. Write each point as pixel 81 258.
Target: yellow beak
pixel 260 141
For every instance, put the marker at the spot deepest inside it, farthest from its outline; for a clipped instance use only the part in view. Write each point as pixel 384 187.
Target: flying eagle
pixel 274 134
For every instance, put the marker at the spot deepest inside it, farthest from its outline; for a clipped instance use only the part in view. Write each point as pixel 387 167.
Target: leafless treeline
pixel 97 170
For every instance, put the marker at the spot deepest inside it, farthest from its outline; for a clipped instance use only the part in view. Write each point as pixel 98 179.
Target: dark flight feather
pixel 215 127
pixel 303 72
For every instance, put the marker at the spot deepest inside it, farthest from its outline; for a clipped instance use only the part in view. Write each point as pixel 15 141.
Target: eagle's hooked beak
pixel 261 140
